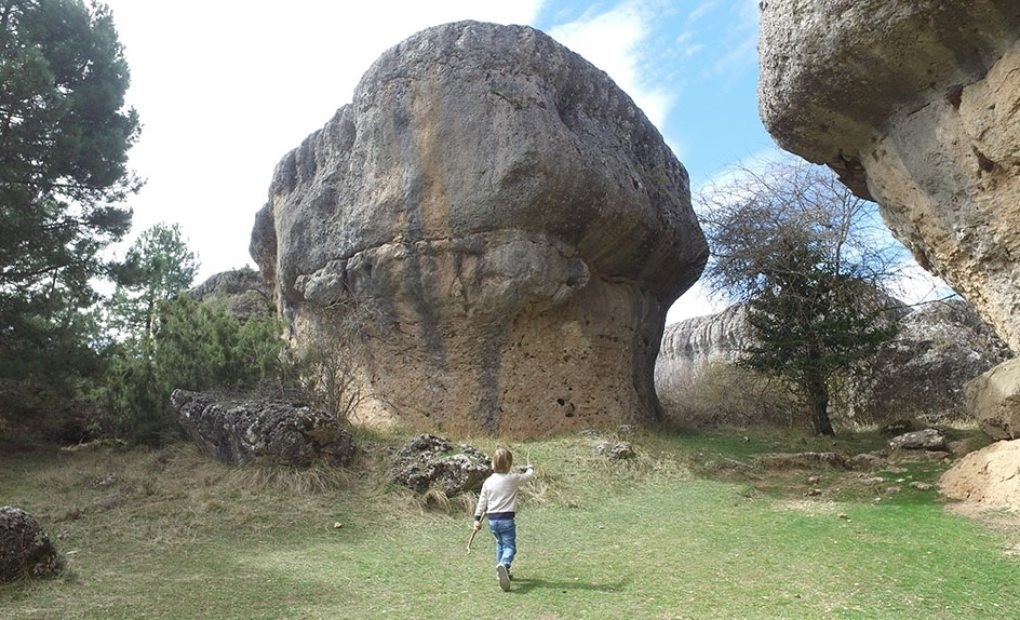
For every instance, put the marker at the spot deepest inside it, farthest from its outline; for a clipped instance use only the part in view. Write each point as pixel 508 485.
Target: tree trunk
pixel 818 397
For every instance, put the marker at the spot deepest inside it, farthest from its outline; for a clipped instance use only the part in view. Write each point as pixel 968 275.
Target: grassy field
pixel 686 530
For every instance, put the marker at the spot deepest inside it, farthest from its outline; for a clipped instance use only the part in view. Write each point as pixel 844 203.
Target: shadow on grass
pixel 524 586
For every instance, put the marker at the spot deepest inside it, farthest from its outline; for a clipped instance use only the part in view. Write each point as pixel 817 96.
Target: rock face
pixel 430 462
pixel 261 430
pixel 919 374
pixel 914 104
pixel 689 346
pixel 25 550
pixel 987 476
pixel 994 400
pixel 507 225
pixel 243 291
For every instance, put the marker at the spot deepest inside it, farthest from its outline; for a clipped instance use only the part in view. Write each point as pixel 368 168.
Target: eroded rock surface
pixel 262 430
pixel 25 550
pixel 430 462
pixel 506 225
pixel 919 374
pixel 987 476
pixel 916 105
pixel 927 439
pixel 242 291
pixel 691 345
pixel 993 399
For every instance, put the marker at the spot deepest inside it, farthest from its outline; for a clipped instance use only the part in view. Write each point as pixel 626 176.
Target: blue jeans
pixel 505 531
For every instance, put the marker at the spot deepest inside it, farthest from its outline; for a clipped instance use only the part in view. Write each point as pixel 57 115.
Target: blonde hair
pixel 502 459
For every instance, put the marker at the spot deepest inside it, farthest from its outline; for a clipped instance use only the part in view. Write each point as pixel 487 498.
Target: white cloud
pixel 685 47
pixel 697 301
pixel 612 41
pixel 743 48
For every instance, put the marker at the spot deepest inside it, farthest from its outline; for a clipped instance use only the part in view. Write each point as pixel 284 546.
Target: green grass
pixel 167 534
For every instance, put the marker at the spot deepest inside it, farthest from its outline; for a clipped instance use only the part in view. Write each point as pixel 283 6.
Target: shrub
pixel 722 394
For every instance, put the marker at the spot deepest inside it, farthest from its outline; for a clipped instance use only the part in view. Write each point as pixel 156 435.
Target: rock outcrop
pixel 262 430
pixel 429 462
pixel 993 399
pixel 927 439
pixel 914 104
pixel 986 477
pixel 506 225
pixel 919 374
pixel 242 291
pixel 25 550
pixel 689 346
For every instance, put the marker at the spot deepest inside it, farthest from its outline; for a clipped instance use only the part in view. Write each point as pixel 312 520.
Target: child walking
pixel 498 499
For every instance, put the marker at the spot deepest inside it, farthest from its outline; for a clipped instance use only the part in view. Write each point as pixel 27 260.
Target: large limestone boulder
pixel 994 400
pixel 25 549
pixel 914 104
pixel 505 227
pixel 258 430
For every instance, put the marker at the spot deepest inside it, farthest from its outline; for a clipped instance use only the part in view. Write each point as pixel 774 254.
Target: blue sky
pixel 694 66
pixel 225 88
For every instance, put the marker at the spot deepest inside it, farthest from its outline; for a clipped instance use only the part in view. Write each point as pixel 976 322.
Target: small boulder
pixel 431 462
pixel 263 430
pixel 615 450
pixel 928 439
pixel 25 550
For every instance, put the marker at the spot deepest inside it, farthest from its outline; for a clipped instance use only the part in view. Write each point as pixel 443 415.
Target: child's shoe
pixel 504 577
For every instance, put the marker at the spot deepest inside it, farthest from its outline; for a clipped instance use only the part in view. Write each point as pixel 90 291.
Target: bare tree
pixel 812 262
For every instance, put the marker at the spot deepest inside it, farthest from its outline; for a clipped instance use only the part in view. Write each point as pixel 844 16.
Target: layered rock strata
pixel 496 229
pixel 919 374
pixel 917 106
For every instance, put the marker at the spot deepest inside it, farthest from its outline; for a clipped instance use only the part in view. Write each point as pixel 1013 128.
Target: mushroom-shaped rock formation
pixel 916 105
pixel 494 227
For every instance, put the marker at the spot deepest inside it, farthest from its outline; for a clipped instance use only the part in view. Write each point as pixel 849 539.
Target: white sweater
pixel 499 493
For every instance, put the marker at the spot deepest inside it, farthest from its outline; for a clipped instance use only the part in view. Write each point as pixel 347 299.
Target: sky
pixel 225 88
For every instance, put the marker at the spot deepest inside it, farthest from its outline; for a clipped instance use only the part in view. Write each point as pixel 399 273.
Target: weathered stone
pixel 25 550
pixel 430 462
pixel 615 450
pixel 262 430
pixel 993 399
pixel 866 462
pixel 242 291
pixel 920 373
pixel 914 105
pixel 690 346
pixel 987 476
pixel 507 221
pixel 928 439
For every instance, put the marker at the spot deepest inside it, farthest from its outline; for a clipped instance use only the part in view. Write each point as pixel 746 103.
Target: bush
pixel 723 395
pixel 195 346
